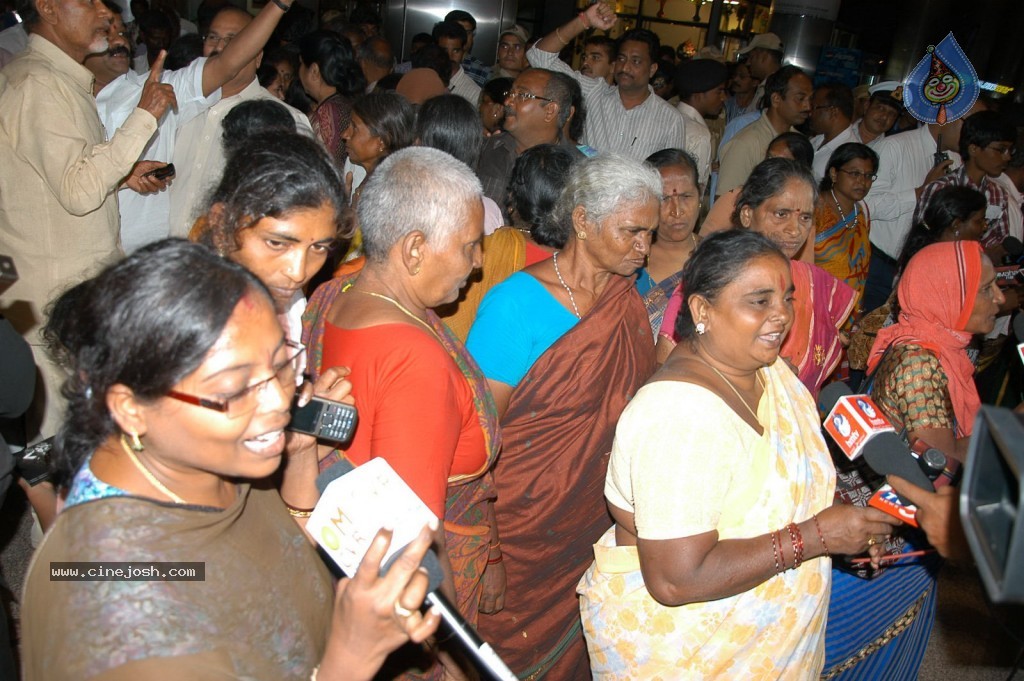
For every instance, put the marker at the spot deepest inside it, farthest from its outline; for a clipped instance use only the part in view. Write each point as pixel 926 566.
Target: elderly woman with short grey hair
pixel 564 343
pixel 423 404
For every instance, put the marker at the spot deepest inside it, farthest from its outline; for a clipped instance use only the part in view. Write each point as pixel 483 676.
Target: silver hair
pixel 416 188
pixel 604 184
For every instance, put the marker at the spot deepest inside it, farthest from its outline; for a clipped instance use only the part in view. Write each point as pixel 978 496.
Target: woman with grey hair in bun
pixel 423 404
pixel 564 343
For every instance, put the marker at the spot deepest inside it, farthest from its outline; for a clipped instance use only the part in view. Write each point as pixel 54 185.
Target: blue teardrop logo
pixel 943 86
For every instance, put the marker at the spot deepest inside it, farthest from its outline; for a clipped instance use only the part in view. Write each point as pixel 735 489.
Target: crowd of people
pixel 585 315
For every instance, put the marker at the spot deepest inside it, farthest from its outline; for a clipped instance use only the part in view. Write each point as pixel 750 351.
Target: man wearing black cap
pixel 702 94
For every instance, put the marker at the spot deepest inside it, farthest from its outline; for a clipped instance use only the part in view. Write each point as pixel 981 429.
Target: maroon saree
pixel 557 436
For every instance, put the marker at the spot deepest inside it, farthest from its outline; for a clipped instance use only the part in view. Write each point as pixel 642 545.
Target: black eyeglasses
pixel 523 96
pixel 858 175
pixel 246 400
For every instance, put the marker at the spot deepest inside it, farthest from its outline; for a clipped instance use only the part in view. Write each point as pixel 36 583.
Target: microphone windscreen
pixel 830 394
pixel 430 563
pixel 887 454
pixel 331 474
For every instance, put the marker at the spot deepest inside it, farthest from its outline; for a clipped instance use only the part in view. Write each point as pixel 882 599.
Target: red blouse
pixel 415 406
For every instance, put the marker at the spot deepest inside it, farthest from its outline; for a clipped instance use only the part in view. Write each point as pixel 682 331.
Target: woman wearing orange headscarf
pixel 922 377
pixel 923 382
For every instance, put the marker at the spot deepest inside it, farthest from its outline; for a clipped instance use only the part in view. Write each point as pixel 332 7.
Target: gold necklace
pixel 147 475
pixel 757 376
pixel 401 307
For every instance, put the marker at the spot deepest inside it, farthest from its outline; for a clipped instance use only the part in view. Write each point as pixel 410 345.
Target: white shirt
pixel 698 140
pixel 611 127
pixel 199 155
pixel 857 136
pixel 463 86
pixel 903 162
pixel 1014 212
pixel 823 150
pixel 146 218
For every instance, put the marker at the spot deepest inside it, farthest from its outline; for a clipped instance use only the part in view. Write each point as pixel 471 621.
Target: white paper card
pixel 354 507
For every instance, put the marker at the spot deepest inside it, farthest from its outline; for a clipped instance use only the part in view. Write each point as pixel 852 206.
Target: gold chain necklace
pixel 401 307
pixel 757 375
pixel 147 475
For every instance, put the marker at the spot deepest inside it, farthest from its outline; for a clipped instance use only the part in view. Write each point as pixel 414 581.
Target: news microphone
pixel 869 434
pixel 481 651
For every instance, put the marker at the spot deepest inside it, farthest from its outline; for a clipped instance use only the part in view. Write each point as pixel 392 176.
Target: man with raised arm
pixel 145 217
pixel 59 172
pixel 627 118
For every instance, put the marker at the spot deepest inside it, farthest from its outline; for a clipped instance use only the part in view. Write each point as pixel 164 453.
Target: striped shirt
pixel 637 133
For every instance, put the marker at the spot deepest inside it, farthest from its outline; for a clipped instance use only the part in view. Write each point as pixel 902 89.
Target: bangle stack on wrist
pixel 492 548
pixel 797 542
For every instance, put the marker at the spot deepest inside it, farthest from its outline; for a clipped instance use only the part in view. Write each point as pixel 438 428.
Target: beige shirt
pixel 743 152
pixel 58 177
pixel 199 155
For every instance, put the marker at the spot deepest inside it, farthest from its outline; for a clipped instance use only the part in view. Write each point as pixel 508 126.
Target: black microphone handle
pixel 887 454
pixel 481 652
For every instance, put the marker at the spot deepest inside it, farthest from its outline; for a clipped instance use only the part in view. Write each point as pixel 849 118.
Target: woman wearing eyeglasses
pixel 841 221
pixel 179 389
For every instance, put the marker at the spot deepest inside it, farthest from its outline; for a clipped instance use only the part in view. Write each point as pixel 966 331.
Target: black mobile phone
pixel 325 419
pixel 161 173
pixel 939 157
pixel 33 462
pixel 8 272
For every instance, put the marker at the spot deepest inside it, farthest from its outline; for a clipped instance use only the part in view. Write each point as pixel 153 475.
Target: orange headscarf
pixel 936 293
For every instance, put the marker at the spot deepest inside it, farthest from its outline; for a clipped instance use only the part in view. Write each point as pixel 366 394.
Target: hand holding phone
pixel 161 173
pixel 325 419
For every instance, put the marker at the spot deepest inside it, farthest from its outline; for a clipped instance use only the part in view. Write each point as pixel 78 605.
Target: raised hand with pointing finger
pixel 156 96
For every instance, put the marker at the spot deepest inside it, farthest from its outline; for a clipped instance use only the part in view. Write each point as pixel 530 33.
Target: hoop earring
pixel 701 328
pixel 136 442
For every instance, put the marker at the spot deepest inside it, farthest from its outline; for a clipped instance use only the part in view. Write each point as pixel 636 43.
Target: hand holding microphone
pixel 375 614
pixel 852 530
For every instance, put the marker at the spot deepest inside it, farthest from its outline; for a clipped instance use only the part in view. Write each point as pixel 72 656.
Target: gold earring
pixel 136 442
pixel 416 271
pixel 581 235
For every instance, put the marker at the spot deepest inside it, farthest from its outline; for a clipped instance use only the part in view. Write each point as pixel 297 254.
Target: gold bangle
pixel 298 512
pixel 558 35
